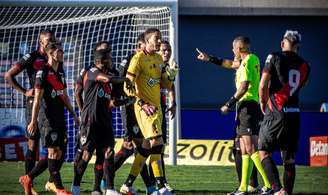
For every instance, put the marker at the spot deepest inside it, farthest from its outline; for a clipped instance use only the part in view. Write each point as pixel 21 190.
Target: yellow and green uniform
pixel 145 71
pixel 249 70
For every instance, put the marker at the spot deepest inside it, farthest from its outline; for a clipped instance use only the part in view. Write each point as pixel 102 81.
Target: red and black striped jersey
pixel 97 96
pixel 53 83
pixel 289 73
pixel 32 63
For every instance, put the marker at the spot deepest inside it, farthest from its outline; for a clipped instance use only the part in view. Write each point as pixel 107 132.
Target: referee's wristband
pixel 215 60
pixel 232 101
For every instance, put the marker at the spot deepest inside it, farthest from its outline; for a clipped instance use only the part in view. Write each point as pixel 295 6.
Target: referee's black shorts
pixel 248 118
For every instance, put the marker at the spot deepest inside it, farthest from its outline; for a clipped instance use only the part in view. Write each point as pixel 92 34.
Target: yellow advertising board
pixel 198 152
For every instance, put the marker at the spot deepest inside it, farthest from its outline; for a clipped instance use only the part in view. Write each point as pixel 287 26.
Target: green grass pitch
pixel 188 180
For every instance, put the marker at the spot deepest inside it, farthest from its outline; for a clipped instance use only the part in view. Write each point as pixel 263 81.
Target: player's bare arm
pixel 239 94
pixel 70 109
pixel 264 90
pixel 78 96
pixel 35 110
pixel 226 63
pixel 172 108
pixel 10 78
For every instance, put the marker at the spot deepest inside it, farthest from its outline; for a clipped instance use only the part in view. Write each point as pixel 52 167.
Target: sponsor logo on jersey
pixel 101 93
pixel 55 93
pixel 152 82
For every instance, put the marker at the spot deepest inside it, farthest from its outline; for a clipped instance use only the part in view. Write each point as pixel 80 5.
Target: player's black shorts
pixel 279 131
pixel 52 135
pixel 96 136
pixel 248 118
pixel 133 130
pixel 28 118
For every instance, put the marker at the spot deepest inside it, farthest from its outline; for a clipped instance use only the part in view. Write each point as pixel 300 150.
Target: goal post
pixel 80 24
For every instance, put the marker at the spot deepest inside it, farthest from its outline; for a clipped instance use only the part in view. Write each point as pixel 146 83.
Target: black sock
pixel 129 181
pixel 289 177
pixel 151 175
pixel 145 176
pixel 272 173
pixel 40 167
pixel 98 170
pixel 238 163
pixel 253 180
pixel 60 164
pixel 29 160
pixel 79 169
pixel 109 172
pixel 54 172
pixel 121 156
pixel 163 168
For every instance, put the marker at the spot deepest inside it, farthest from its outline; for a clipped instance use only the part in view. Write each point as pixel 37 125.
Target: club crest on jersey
pixel 54 136
pixel 135 129
pixel 152 82
pixel 83 140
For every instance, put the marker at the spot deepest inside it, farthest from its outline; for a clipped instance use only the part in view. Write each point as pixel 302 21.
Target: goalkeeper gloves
pixel 172 70
pixel 147 108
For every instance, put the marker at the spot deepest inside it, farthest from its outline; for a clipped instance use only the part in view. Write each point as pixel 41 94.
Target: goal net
pixel 79 29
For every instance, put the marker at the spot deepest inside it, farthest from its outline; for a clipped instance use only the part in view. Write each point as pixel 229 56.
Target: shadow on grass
pixel 219 192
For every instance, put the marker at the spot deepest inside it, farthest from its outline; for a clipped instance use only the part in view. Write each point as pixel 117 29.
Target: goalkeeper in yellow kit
pixel 145 72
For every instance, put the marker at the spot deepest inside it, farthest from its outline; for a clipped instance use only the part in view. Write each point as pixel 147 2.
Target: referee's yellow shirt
pixel 249 70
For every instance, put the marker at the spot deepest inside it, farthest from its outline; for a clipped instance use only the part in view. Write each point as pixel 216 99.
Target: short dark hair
pixel 141 38
pixel 246 42
pixel 100 43
pixel 150 31
pixel 165 42
pixel 100 55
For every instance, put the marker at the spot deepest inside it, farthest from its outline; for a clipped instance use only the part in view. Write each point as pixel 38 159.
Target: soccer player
pixel 96 127
pixel 165 51
pixel 31 62
pixel 50 88
pixel 248 112
pixel 284 75
pixel 133 136
pixel 146 74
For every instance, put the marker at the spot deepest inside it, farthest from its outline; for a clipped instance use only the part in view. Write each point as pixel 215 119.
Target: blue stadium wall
pixel 204 87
